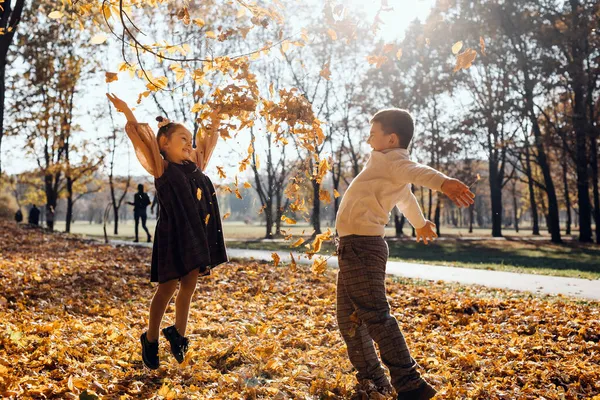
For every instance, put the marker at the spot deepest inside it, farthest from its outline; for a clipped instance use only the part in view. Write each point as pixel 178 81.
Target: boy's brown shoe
pixel 424 392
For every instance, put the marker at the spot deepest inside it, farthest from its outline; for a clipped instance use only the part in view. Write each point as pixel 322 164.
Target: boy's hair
pixel 166 131
pixel 397 121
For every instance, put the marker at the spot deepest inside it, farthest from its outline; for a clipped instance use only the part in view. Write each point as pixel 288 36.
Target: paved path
pixel 541 284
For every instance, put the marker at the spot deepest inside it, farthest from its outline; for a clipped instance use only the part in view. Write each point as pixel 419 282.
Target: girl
pixel 188 240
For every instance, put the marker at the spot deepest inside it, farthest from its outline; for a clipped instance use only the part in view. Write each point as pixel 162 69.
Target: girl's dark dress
pixel 184 239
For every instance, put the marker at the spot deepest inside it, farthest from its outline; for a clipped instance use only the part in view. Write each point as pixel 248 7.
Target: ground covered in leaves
pixel 71 314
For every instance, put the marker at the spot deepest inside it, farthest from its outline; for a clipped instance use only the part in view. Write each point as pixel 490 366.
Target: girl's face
pixel 178 147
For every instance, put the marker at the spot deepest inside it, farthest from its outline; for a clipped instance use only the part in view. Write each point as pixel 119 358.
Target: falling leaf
pixel 399 54
pixel 332 34
pixel 98 39
pixel 325 72
pixel 336 193
pixel 210 34
pixel 293 263
pixel 247 185
pixel 226 215
pixel 298 242
pixel 457 47
pixel 199 194
pixel 111 77
pixel 206 219
pixel 288 220
pixel 465 59
pixel 482 45
pixel 238 194
pixel 55 15
pixel 276 258
pixel 319 265
pixel 221 172
pixel 199 21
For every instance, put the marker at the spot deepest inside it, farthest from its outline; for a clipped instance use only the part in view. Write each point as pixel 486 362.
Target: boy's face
pixel 378 140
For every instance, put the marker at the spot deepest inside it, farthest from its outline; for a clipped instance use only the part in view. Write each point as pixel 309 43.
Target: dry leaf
pixel 226 215
pixel 325 72
pixel 111 77
pixel 199 194
pixel 465 59
pixel 457 47
pixel 276 258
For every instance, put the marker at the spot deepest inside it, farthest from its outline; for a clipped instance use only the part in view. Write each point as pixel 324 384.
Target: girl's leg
pixel 159 304
pixel 183 300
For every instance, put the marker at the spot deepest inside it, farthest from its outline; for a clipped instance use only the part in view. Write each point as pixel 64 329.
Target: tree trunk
pixel 10 19
pixel 399 224
pixel 530 183
pixel 515 208
pixel 594 165
pixel 69 205
pixel 269 220
pixel 496 199
pixel 436 218
pixel 566 185
pixel 316 214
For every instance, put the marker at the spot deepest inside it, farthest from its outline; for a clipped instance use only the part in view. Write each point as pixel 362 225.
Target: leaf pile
pixel 71 314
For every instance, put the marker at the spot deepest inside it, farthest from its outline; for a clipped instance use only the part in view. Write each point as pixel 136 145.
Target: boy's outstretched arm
pixel 407 171
pixel 409 206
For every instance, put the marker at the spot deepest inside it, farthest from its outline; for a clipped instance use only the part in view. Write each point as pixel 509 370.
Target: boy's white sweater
pixel 382 184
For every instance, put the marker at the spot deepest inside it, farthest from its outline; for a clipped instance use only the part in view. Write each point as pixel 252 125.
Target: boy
pixel 363 312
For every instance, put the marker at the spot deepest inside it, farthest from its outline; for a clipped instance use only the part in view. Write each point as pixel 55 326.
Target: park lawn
pixel 71 313
pixel 571 259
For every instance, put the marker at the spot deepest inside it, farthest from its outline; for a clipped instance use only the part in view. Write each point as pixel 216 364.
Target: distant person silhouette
pixel 34 215
pixel 18 216
pixel 141 200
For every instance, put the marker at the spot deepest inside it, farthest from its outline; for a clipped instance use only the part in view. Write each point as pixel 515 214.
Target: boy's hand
pixel 427 233
pixel 458 192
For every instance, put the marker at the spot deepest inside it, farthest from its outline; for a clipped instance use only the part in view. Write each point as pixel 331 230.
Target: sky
pixel 92 98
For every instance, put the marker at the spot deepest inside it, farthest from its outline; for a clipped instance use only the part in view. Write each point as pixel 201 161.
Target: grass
pixel 515 253
pixel 534 257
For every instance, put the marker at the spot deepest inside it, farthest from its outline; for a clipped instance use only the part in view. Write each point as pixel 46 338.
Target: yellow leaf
pixel 199 194
pixel 332 34
pixel 238 194
pixel 293 263
pixel 111 77
pixel 288 220
pixel 206 219
pixel 276 258
pixel 399 54
pixel 465 59
pixel 196 107
pixel 221 173
pixel 199 22
pixel 319 265
pixel 211 34
pixel 55 15
pixel 247 185
pixel 226 215
pixel 298 242
pixel 336 193
pixel 98 39
pixel 457 47
pixel 285 46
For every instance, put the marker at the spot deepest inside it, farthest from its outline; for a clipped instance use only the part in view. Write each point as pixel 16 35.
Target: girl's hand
pixel 119 104
pixel 427 233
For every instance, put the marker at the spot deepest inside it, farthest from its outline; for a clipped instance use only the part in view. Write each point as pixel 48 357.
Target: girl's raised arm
pixel 143 139
pixel 206 142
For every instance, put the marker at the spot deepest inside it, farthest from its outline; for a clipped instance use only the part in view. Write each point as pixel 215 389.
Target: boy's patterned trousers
pixel 363 314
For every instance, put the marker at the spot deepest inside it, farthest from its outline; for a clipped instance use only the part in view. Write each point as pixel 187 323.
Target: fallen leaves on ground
pixel 71 313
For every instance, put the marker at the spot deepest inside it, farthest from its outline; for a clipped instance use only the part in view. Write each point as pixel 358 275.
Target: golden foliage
pixel 71 314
